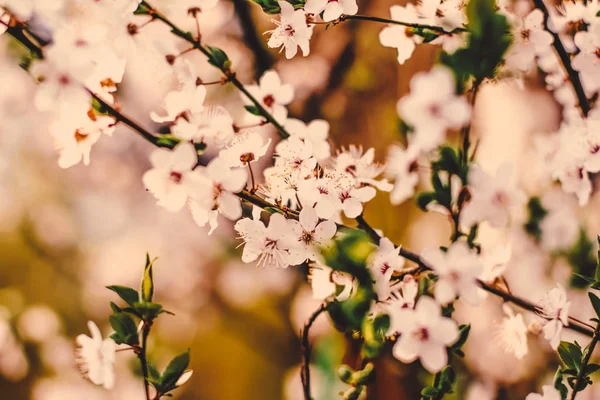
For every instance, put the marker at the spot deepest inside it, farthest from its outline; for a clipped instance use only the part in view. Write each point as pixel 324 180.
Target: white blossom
pixel 315 132
pixel 309 233
pixel 554 309
pixel 244 148
pixel 382 263
pixel 457 271
pixel 401 37
pixel 493 199
pixel 530 39
pixel 402 165
pixel 96 357
pixel 272 95
pixel 512 333
pixel 424 334
pixel 292 31
pixel 548 393
pixel 331 9
pixel 171 177
pixel 433 107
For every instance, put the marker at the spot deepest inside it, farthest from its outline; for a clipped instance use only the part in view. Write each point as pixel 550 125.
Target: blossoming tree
pixel 305 209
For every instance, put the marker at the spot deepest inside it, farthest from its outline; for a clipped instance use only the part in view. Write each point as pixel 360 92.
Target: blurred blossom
pixel 481 391
pixel 303 306
pixel 39 323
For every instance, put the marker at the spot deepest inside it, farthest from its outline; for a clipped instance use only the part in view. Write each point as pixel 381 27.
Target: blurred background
pixel 66 234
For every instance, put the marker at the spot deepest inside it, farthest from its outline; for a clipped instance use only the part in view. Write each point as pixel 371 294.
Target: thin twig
pixel 565 58
pixel 433 28
pixel 305 368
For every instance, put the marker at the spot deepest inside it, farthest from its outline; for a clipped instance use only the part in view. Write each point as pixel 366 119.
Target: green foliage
pixel 129 295
pixel 125 329
pixel 373 332
pixel 357 379
pixel 595 300
pixel 142 9
pixel 349 254
pixel 583 260
pixel 443 384
pixel 571 356
pixel 463 332
pixel 487 42
pixel 272 6
pixel 536 214
pixel 218 58
pixel 167 381
pixel 559 385
pixel 253 110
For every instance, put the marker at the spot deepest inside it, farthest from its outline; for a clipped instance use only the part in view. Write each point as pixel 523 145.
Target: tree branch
pixel 585 362
pixel 305 367
pixel 565 58
pixel 433 28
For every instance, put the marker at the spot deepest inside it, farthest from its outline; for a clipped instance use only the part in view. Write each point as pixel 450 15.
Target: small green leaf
pixel 423 200
pixel 595 302
pixel 218 58
pixel 591 368
pixel 463 334
pixel 148 281
pixel 174 370
pixel 141 10
pixel 125 329
pixel 115 308
pixel 129 295
pixel 253 110
pixel 429 392
pixel 344 372
pixel 570 354
pixel 559 385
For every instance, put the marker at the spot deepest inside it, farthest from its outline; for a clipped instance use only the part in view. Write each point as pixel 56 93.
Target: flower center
pixel 269 100
pixel 307 237
pixel 175 176
pixel 80 136
pixel 247 157
pixel 422 334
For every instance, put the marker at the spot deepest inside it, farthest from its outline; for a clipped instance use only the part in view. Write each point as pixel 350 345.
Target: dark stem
pixel 565 58
pixel 143 360
pixel 253 189
pixel 585 362
pixel 305 367
pixel 433 28
pixel 466 133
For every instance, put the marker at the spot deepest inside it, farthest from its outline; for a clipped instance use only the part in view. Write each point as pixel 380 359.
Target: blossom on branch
pixel 292 31
pixel 96 357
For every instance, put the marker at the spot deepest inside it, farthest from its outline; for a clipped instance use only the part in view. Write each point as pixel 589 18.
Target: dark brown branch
pixel 565 58
pixel 305 368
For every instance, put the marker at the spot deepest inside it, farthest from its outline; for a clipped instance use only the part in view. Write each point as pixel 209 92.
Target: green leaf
pixel 344 372
pixel 272 6
pixel 129 295
pixel 174 370
pixel 537 213
pixel 149 311
pixel 115 308
pixel 570 354
pixel 423 200
pixel 463 334
pixel 429 392
pixel 148 281
pixel 125 329
pixel 582 258
pixel 586 278
pixel 591 368
pixel 253 110
pixel 218 58
pixel 595 302
pixel 141 10
pixel 559 385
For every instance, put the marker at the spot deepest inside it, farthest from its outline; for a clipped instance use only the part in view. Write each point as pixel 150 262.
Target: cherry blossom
pixel 433 107
pixel 492 198
pixel 325 283
pixel 382 264
pixel 272 94
pixel 530 39
pixel 424 335
pixel 587 61
pixel 213 125
pixel 401 37
pixel 292 31
pixel 171 176
pixel 554 308
pixel 310 233
pixel 457 271
pixel 331 9
pixel 512 333
pixel 213 193
pixel 269 246
pixel 316 132
pixel 295 155
pixel 361 166
pixel 96 357
pixel 403 295
pixel 244 148
pixel 548 393
pixel 188 98
pixel 402 165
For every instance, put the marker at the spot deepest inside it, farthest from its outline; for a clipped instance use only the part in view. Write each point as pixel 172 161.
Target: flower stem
pixel 143 359
pixel 305 367
pixel 586 360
